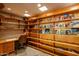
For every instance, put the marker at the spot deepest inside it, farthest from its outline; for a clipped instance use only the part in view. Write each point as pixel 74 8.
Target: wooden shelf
pixel 40 28
pixel 66 53
pixel 42 41
pixel 51 28
pixel 67 46
pixel 45 51
pixel 62 28
pixel 57 44
pixel 14 19
pixel 34 29
pixel 49 22
pixel 53 22
pixel 10 29
pixel 53 49
pixel 43 36
pixel 8 23
pixel 42 46
pixel 60 44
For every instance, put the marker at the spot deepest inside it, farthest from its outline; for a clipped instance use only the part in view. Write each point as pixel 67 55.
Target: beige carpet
pixel 30 52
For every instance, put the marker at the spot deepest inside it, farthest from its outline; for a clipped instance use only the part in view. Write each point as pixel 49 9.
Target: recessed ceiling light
pixel 26 11
pixel 26 15
pixel 9 9
pixel 39 5
pixel 44 8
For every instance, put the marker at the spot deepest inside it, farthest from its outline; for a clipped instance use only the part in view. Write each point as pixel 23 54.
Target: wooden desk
pixel 7 46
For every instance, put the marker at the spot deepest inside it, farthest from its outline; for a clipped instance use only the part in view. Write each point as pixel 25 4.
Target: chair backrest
pixel 22 39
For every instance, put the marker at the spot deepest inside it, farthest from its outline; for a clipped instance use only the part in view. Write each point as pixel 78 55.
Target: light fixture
pixel 74 8
pixel 8 8
pixel 26 11
pixel 39 5
pixel 44 8
pixel 26 15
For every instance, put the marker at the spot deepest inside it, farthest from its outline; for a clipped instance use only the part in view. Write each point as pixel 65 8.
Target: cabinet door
pixel 1 49
pixel 10 47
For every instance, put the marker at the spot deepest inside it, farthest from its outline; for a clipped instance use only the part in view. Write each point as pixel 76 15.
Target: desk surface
pixel 8 40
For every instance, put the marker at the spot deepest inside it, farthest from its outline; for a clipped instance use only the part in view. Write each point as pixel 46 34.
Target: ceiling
pixel 20 8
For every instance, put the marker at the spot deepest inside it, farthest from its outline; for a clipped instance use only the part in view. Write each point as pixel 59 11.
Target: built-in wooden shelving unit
pixel 11 25
pixel 57 33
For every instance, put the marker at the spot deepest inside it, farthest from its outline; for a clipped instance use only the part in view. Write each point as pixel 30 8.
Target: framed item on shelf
pixel 75 30
pixel 57 31
pixel 47 31
pixel 52 31
pixel 43 31
pixel 66 16
pixel 59 25
pixel 47 25
pixel 44 25
pixel 68 32
pixel 56 25
pixel 75 24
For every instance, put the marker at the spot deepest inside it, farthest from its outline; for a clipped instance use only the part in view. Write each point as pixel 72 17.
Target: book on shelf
pixel 71 24
pixel 46 20
pixel 68 32
pixel 59 32
pixel 75 24
pixel 63 32
pixel 59 25
pixel 46 25
pixel 75 30
pixel 66 17
pixel 45 31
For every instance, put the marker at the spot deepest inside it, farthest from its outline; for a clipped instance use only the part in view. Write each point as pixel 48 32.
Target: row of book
pixel 61 17
pixel 72 31
pixel 71 24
